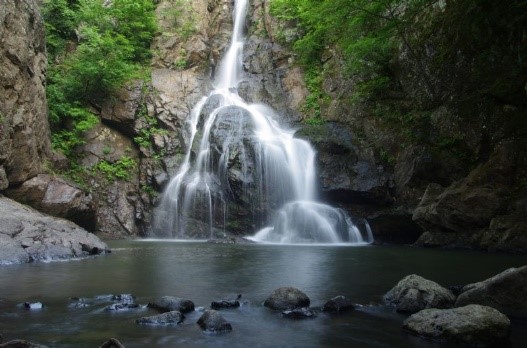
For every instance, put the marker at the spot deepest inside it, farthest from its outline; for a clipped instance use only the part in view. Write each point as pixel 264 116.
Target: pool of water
pixel 204 272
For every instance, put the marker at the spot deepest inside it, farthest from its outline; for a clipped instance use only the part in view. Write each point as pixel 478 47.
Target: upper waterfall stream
pixel 242 165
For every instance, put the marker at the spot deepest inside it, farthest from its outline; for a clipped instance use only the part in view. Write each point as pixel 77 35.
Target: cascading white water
pixel 239 155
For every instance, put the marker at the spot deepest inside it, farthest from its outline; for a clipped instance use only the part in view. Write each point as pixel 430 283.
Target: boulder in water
pixel 112 343
pixel 168 318
pixel 338 304
pixel 226 303
pixel 171 303
pixel 287 298
pixel 414 293
pixel 505 292
pixel 299 313
pixel 472 324
pixel 213 321
pixel 21 344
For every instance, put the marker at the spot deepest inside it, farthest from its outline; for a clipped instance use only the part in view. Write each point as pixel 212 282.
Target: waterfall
pixel 242 165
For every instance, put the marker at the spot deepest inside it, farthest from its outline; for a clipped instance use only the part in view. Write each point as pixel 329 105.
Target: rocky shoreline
pixel 479 315
pixel 29 236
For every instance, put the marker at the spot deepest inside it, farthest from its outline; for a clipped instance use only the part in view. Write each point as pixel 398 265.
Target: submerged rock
pixel 213 321
pixel 112 343
pixel 121 306
pixel 226 303
pixel 506 292
pixel 171 303
pixel 473 324
pixel 21 344
pixel 168 318
pixel 33 305
pixel 299 313
pixel 414 293
pixel 338 304
pixel 287 298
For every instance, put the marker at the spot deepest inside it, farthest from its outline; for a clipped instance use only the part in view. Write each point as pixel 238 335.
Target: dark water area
pixel 205 272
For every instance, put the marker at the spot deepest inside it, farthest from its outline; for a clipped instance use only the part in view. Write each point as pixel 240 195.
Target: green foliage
pixel 179 20
pixel 366 32
pixel 119 170
pixel 96 46
pixel 316 97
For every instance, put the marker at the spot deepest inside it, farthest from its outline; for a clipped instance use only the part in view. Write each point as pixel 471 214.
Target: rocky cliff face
pixel 25 234
pixel 24 128
pixel 443 150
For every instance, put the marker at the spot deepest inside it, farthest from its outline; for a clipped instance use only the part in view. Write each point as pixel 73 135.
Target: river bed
pixel 203 272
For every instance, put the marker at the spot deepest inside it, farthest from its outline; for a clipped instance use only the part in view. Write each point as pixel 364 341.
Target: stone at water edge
pixel 472 324
pixel 287 298
pixel 167 318
pixel 299 313
pixel 338 304
pixel 506 292
pixel 213 321
pixel 171 303
pixel 414 293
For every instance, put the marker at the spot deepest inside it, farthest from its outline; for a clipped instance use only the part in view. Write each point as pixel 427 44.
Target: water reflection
pixel 203 272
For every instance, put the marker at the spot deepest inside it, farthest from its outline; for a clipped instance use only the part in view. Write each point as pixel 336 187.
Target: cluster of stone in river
pixel 475 314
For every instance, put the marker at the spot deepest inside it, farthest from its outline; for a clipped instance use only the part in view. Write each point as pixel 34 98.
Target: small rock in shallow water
pixel 299 313
pixel 287 298
pixel 338 304
pixel 124 298
pixel 21 344
pixel 171 303
pixel 33 305
pixel 112 343
pixel 226 303
pixel 168 318
pixel 213 321
pixel 121 306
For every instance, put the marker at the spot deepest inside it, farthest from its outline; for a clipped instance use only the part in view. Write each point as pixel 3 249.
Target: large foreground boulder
pixel 414 293
pixel 507 292
pixel 27 235
pixel 287 298
pixel 473 324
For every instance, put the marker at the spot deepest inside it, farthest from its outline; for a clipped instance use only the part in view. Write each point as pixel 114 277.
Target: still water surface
pixel 205 272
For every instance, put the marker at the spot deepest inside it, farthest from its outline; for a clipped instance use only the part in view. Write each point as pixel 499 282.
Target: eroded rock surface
pixel 27 235
pixel 474 324
pixel 414 293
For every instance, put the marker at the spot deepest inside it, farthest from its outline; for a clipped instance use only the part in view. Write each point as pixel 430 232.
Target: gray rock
pixel 226 303
pixel 112 343
pixel 33 305
pixel 506 292
pixel 24 126
pixel 472 324
pixel 21 344
pixel 168 318
pixel 338 304
pixel 213 321
pixel 27 235
pixel 287 298
pixel 171 303
pixel 414 293
pixel 54 196
pixel 299 313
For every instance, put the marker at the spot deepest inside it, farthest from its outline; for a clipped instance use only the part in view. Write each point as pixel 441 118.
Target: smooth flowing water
pixel 204 272
pixel 240 153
